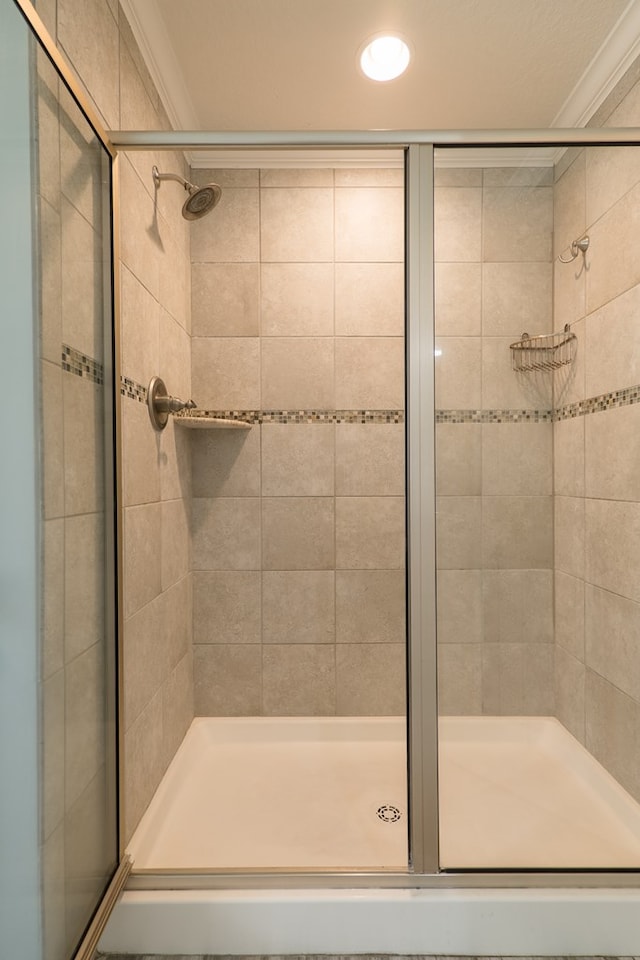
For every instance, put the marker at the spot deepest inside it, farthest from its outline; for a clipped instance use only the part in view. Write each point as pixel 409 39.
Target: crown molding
pixel 612 60
pixel 158 54
pixel 616 54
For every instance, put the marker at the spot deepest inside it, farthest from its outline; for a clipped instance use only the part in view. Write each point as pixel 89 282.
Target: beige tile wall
pixel 96 40
pixel 597 600
pixel 298 528
pixel 494 480
pixel 156 332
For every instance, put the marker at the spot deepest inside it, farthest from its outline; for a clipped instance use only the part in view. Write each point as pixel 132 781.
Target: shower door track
pixel 446 880
pixel 424 869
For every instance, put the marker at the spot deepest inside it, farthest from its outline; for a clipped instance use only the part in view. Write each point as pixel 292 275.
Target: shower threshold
pixel 330 794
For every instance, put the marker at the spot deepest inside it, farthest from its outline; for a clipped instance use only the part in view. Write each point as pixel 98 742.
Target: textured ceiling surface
pixel 292 64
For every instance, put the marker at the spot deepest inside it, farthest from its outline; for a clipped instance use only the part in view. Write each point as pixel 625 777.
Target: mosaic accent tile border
pixel 80 365
pixel 306 416
pixel 136 391
pixel 580 408
pixel 83 366
pixel 605 401
pixel 132 390
pixel 494 416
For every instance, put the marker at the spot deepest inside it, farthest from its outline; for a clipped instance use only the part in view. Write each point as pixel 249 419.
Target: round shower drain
pixel 388 813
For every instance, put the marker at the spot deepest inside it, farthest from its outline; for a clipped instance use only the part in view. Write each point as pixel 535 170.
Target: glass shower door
pixel 58 795
pixel 537 504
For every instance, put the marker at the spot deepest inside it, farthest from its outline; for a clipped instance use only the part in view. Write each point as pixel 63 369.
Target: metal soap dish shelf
pixel 549 351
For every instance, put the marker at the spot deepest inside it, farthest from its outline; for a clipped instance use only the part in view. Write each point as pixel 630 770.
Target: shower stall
pixel 298 754
pixel 364 611
pixel 400 511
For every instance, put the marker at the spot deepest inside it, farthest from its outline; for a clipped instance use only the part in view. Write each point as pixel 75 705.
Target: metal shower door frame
pixel 86 948
pixel 422 693
pixel 423 870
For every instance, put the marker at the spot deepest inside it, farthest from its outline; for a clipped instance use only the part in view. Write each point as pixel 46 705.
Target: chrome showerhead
pixel 200 199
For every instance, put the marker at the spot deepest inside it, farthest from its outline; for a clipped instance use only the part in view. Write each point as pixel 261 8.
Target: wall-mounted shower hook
pixel 577 246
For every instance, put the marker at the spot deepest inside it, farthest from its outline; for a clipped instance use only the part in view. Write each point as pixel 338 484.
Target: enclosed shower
pixel 327 529
pixel 298 535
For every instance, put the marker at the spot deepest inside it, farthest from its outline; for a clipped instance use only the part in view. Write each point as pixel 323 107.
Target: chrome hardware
pixel 161 404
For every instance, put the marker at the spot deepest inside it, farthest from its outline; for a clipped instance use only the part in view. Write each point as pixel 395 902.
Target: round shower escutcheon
pixel 155 391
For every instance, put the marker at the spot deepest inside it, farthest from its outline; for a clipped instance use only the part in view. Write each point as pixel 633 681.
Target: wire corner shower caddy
pixel 549 351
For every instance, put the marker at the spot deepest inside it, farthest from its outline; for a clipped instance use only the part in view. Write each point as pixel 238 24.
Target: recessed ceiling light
pixel 385 58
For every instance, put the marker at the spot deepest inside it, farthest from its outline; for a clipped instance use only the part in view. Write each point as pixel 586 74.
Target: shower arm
pixel 158 177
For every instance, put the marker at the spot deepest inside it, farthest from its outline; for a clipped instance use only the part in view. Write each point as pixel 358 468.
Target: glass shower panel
pixel 64 319
pixel 537 501
pixel 297 526
pixel 78 657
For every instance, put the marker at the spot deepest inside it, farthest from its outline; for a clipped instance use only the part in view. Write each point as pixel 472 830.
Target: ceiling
pixel 229 65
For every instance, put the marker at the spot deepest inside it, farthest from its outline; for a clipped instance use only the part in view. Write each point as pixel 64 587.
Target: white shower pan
pixel 322 793
pixel 515 792
pixel 523 793
pixel 298 792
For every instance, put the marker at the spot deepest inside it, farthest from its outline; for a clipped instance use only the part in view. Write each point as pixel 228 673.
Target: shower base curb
pixel 531 922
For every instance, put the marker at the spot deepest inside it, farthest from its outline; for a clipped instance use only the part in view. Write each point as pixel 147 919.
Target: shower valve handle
pixel 173 404
pixel 161 404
